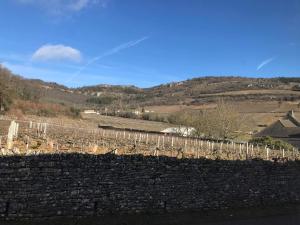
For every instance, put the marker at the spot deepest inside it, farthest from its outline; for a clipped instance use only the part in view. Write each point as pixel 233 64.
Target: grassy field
pixel 120 122
pixel 258 92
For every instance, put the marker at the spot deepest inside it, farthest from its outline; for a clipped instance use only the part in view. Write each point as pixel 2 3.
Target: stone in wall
pixel 85 185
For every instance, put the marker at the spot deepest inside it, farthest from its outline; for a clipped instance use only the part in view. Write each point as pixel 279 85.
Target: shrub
pixel 46 113
pixel 5 103
pixel 146 116
pixel 74 112
pixel 272 143
pixel 43 109
pixel 104 100
pixel 128 115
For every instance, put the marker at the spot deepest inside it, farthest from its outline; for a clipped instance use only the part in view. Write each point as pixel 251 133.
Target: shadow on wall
pixel 75 185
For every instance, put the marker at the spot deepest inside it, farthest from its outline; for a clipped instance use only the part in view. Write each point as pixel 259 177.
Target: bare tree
pixel 228 120
pixel 184 120
pixel 221 122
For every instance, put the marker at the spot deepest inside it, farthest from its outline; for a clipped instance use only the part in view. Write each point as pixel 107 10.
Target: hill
pixel 39 97
pixel 29 96
pixel 196 91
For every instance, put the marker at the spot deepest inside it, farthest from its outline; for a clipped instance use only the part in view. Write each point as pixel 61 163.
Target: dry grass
pixel 248 92
pixel 166 109
pixel 120 122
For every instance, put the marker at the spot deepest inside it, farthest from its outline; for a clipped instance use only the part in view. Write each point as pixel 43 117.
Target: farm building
pixel 137 112
pixel 286 129
pixel 183 131
pixel 89 111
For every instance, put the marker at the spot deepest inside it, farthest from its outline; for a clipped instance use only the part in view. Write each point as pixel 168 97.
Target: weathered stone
pixel 84 185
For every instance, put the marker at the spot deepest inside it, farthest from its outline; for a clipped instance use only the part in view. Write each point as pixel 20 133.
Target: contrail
pixel 108 53
pixel 265 62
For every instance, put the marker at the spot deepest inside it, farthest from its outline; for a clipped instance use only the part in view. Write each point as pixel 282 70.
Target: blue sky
pixel 149 42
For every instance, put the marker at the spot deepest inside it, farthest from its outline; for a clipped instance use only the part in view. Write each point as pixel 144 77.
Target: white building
pixel 183 131
pixel 89 111
pixel 136 112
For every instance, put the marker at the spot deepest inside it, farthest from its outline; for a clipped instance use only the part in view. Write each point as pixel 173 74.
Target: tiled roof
pixel 287 123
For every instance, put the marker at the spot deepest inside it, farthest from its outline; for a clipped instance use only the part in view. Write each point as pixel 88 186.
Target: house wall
pixel 84 185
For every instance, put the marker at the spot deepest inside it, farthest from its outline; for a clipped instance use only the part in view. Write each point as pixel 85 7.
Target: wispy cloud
pixel 78 5
pixel 110 52
pixel 265 62
pixel 49 74
pixel 62 7
pixel 31 71
pixel 14 57
pixel 56 52
pixel 121 47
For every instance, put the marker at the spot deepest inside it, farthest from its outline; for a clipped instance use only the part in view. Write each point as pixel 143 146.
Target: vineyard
pixel 21 137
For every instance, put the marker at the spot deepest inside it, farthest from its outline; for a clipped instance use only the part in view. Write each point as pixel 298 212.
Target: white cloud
pixel 56 52
pixel 61 7
pixel 265 62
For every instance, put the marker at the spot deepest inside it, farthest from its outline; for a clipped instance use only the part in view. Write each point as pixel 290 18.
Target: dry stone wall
pixel 75 185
